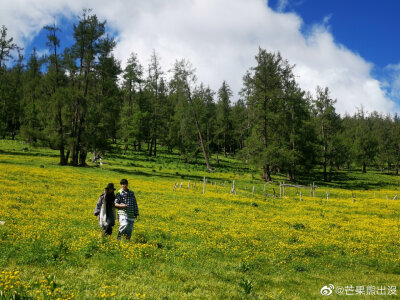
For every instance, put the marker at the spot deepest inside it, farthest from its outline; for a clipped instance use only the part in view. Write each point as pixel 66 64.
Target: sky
pixel 351 47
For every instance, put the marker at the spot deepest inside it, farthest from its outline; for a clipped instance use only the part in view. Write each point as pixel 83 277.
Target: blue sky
pixel 366 27
pixel 349 46
pixel 369 27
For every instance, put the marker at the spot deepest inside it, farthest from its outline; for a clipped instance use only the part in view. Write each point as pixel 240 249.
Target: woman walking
pixel 105 210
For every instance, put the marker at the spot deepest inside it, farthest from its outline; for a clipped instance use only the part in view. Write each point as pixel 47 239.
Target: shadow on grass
pixel 5 152
pixel 173 158
pixel 349 180
pixel 176 177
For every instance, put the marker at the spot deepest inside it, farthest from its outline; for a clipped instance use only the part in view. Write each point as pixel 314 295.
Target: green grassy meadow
pixel 190 245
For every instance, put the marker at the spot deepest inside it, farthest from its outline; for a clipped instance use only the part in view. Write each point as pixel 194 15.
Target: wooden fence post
pixel 313 185
pixel 204 184
pixel 233 190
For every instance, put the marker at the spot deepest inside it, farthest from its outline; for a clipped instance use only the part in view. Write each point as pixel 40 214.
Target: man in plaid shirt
pixel 128 210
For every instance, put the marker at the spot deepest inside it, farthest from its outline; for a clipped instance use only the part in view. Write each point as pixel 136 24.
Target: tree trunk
pixel 267 173
pixel 364 170
pixel 67 156
pixel 155 146
pixel 203 148
pixel 82 158
pixel 290 175
pixel 150 147
pixel 224 144
pixel 217 160
pixel 63 160
pixel 325 172
pixel 74 156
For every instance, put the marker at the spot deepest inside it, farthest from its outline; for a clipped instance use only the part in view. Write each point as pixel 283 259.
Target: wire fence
pixel 282 190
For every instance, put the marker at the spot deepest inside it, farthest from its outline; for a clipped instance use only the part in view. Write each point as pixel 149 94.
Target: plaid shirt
pixel 127 197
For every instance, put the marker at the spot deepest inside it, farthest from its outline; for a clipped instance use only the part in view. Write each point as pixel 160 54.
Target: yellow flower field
pixel 186 244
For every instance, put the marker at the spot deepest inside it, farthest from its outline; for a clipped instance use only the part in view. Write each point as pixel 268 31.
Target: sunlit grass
pixel 187 244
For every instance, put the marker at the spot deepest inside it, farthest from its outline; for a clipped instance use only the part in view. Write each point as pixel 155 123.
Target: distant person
pixel 128 210
pixel 105 209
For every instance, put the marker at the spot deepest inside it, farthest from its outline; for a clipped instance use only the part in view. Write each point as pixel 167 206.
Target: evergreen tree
pixel 382 127
pixel 54 104
pixel 223 119
pixel 396 142
pixel 262 89
pixel 103 100
pixel 183 85
pixel 87 33
pixel 240 124
pixel 6 47
pixel 327 122
pixel 14 95
pixel 131 116
pixel 31 124
pixel 365 141
pixel 203 104
pixel 153 87
pixel 297 137
pixel 347 136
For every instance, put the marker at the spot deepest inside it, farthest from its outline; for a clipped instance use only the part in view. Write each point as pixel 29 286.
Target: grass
pixel 190 245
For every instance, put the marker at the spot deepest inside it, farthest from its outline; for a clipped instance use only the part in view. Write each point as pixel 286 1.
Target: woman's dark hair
pixel 109 198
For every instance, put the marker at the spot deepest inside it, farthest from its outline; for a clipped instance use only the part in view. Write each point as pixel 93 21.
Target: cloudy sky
pixel 345 45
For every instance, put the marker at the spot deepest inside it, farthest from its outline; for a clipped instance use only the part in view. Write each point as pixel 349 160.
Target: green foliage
pixel 74 101
pixel 246 285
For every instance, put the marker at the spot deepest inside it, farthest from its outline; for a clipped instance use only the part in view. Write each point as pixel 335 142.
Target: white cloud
pixel 220 38
pixel 392 80
pixel 282 4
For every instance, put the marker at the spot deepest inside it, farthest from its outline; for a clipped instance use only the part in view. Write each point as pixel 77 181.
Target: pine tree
pixel 6 47
pixel 240 124
pixel 153 87
pixel 183 84
pixel 365 141
pixel 54 101
pixel 87 33
pixel 31 124
pixel 14 95
pixel 131 120
pixel 103 103
pixel 327 125
pixel 223 118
